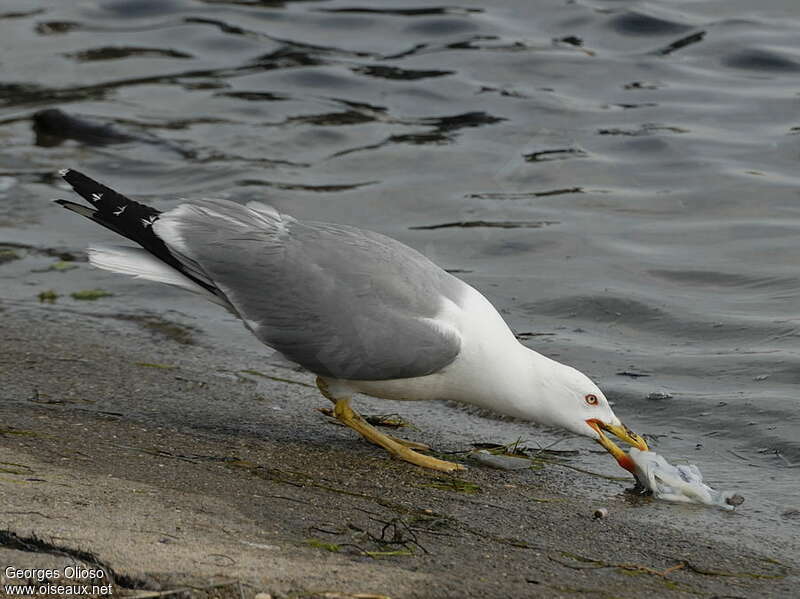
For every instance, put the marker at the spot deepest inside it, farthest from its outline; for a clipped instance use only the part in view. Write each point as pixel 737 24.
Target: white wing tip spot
pixel 63 172
pixel 97 197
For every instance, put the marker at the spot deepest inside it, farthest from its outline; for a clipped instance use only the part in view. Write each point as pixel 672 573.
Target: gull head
pixel 574 402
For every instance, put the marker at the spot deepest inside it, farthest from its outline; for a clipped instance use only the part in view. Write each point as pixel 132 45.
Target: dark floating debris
pixel 560 154
pixel 21 15
pixel 645 129
pixel 529 335
pixel 642 85
pixel 502 224
pixel 459 121
pixel 386 72
pixel 508 93
pixel 522 195
pixel 419 139
pixel 681 43
pixel 331 188
pixel 255 96
pixel 659 395
pixel 223 26
pixel 406 12
pixel 633 375
pixel 52 126
pixel 334 119
pixel 116 52
pixel 56 27
pixel 572 40
pixel 632 105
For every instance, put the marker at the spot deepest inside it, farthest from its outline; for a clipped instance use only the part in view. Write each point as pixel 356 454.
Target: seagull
pixel 362 311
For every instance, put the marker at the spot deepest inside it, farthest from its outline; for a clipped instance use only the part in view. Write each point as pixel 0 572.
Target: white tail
pixel 142 264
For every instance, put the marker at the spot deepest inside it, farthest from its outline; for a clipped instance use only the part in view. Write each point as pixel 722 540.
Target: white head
pixel 567 398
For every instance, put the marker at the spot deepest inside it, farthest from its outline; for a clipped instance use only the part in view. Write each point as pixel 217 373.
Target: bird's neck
pixel 518 383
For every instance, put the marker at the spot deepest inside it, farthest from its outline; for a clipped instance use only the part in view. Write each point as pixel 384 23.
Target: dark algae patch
pixel 48 297
pixel 161 328
pixel 8 255
pixel 90 295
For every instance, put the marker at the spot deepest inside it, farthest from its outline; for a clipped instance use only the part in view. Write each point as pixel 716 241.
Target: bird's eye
pixel 591 399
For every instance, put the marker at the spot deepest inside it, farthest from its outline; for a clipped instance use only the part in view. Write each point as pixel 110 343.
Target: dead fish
pixel 53 126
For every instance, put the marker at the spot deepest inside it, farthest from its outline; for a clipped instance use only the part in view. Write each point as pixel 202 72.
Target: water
pixel 640 157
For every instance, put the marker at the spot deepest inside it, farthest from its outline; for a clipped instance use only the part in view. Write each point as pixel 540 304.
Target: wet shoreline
pixel 141 450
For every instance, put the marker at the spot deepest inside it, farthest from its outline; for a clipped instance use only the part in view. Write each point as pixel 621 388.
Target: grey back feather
pixel 343 302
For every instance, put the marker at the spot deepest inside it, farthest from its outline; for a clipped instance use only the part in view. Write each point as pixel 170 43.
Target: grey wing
pixel 342 302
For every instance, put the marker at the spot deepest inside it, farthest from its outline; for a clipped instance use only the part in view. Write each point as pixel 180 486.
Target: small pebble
pixel 600 513
pixel 263 596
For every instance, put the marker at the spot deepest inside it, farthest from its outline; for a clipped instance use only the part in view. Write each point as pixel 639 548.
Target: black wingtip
pixel 122 215
pixel 89 189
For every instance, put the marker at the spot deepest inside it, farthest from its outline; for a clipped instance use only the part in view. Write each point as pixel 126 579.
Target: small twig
pixel 397 535
pixel 553 444
pixel 596 564
pixel 288 499
pixel 324 530
pixel 673 568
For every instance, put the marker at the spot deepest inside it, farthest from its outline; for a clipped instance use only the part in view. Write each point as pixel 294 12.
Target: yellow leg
pixel 407 443
pixel 349 417
pixel 404 442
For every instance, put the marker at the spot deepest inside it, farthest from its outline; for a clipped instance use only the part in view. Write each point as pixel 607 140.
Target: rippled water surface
pixel 619 178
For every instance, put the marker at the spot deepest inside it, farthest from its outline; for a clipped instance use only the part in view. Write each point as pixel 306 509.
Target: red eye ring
pixel 591 399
